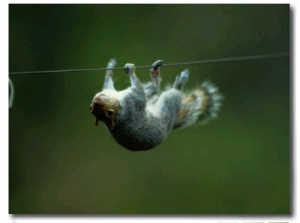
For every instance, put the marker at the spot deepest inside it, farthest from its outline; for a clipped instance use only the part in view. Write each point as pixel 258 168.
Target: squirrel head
pixel 105 109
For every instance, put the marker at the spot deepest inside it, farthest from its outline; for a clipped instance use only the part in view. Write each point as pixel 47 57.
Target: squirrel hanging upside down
pixel 139 119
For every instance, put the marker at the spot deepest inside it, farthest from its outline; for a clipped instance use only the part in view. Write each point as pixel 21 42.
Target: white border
pixel 154 1
pixel 4 112
pixel 4 135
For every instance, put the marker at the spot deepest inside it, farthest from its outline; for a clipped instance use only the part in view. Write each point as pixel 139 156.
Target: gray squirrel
pixel 140 119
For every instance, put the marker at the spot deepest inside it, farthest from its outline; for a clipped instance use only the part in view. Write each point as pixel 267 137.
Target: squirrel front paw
pixel 129 68
pixel 111 64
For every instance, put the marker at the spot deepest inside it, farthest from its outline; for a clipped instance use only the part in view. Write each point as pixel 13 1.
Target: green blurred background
pixel 60 163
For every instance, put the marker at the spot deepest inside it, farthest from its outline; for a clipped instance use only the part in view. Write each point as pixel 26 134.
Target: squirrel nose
pixel 100 99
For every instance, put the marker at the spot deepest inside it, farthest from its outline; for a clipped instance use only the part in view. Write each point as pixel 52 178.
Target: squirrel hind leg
pixel 181 80
pixel 153 86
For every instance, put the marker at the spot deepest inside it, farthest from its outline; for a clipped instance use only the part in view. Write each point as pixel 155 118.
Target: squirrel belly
pixel 138 136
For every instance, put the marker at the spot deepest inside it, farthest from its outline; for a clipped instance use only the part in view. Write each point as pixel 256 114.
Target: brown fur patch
pixel 197 93
pixel 205 100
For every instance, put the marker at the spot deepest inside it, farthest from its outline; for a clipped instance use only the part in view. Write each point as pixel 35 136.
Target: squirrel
pixel 139 119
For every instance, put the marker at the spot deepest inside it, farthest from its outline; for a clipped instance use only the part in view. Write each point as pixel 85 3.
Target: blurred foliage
pixel 59 162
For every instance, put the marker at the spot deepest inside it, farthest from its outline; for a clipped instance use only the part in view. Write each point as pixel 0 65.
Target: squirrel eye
pixel 109 113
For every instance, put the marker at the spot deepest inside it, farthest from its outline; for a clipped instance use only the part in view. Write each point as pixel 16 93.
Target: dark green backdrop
pixel 59 162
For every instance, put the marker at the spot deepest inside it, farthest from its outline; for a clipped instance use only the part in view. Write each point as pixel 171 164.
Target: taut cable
pixel 221 60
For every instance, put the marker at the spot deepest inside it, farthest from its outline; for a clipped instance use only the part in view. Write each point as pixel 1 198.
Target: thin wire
pixel 221 60
pixel 232 59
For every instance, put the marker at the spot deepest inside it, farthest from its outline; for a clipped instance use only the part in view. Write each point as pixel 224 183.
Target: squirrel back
pixel 200 105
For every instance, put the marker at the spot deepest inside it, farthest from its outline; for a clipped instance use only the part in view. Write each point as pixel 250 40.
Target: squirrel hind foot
pixel 157 64
pixel 129 68
pixel 181 80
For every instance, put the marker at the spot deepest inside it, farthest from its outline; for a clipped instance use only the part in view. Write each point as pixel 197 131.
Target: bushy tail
pixel 202 104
